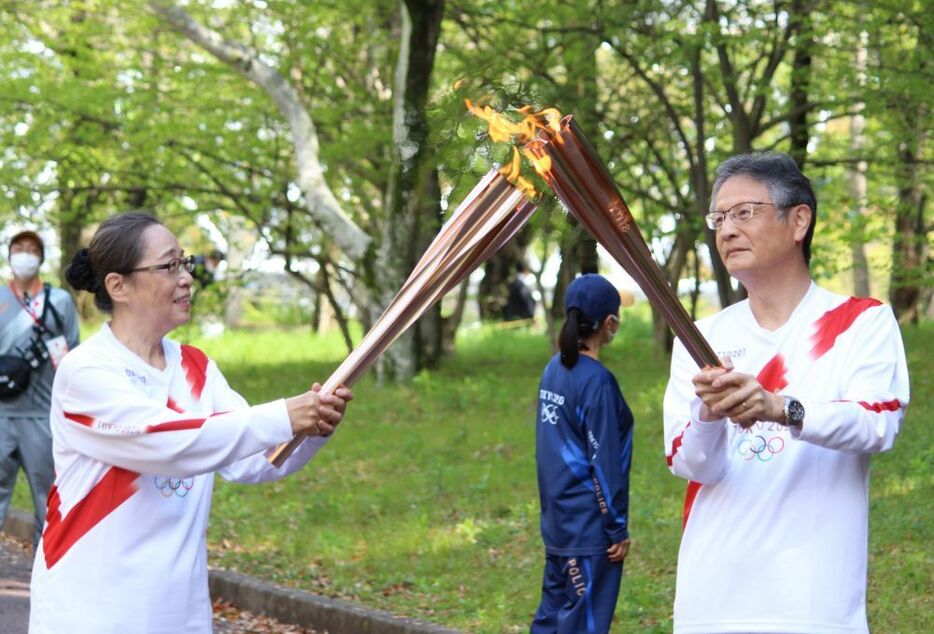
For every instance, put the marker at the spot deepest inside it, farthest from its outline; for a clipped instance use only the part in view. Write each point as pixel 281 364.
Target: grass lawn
pixel 425 503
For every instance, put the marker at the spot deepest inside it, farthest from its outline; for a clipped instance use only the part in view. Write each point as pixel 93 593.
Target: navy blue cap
pixel 594 296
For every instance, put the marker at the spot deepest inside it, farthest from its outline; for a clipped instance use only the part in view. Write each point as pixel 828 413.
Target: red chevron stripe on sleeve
pixel 195 364
pixel 676 444
pixel 172 425
pixel 887 406
pixel 176 425
pixel 836 321
pixel 81 419
pixel 884 406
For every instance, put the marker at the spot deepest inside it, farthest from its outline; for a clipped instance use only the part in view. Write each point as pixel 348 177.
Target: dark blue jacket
pixel 583 448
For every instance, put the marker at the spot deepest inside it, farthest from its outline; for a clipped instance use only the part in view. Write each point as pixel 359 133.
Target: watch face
pixel 795 412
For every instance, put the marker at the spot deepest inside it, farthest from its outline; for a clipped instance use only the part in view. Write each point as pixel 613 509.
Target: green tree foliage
pixel 104 108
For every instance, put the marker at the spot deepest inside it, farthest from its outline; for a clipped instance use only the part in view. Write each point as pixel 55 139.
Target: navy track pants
pixel 578 595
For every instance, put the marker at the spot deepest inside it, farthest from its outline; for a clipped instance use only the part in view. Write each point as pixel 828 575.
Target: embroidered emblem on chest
pixel 762 441
pixel 138 379
pixel 177 487
pixel 550 413
pixel 761 448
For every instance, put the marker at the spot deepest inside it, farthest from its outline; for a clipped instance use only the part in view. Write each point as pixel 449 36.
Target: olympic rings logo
pixel 174 486
pixel 759 447
pixel 550 413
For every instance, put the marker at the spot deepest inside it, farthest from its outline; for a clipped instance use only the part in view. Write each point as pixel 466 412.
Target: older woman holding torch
pixel 140 424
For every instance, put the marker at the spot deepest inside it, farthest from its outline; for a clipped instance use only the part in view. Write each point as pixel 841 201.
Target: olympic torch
pixel 568 162
pixel 491 215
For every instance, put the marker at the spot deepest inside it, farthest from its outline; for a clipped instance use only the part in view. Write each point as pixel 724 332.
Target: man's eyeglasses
pixel 173 266
pixel 740 212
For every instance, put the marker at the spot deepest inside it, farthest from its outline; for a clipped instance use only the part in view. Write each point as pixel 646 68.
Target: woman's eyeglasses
pixel 173 266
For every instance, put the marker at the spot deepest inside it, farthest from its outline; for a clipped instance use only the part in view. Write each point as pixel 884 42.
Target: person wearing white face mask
pixel 583 452
pixel 38 324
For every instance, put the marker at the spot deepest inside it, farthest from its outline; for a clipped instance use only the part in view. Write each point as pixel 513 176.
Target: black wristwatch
pixel 794 412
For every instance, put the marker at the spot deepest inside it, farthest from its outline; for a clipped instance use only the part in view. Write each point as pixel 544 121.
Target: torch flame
pixel 542 164
pixel 513 173
pixel 502 129
pixel 548 119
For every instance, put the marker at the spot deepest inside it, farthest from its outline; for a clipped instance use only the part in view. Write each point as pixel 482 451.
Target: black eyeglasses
pixel 173 266
pixel 740 212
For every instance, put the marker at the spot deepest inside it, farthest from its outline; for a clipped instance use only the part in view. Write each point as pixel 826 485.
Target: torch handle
pixel 481 226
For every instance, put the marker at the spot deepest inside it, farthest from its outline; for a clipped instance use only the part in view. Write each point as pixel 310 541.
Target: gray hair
pixel 779 172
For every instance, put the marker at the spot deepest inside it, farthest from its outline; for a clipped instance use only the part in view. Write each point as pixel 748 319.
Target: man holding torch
pixel 776 443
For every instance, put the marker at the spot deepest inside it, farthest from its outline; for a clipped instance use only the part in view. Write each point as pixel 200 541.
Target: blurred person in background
pixel 520 303
pixel 38 325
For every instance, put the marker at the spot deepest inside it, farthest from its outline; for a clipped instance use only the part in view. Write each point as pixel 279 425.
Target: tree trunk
pixel 73 217
pixel 910 251
pixel 582 48
pixel 538 273
pixel 911 256
pixel 800 81
pixel 699 177
pixel 857 184
pixel 578 247
pixel 70 224
pixel 492 290
pixel 568 269
pixel 695 291
pixel 429 334
pixel 452 322
pixel 677 258
pixel 413 198
pixel 317 307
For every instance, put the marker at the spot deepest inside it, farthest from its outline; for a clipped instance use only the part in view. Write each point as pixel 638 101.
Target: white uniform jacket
pixel 124 547
pixel 776 519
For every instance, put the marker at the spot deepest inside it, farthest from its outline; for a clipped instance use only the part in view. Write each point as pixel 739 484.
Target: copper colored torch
pixel 568 162
pixel 490 215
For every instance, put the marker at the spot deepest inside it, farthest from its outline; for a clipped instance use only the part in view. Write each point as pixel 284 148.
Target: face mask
pixel 610 334
pixel 24 265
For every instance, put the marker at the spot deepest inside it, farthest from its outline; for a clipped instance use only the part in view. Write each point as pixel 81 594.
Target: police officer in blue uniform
pixel 583 452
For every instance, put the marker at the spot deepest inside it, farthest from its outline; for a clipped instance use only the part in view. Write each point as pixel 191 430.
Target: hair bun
pixel 80 273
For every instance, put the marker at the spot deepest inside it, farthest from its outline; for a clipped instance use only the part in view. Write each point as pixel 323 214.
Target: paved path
pixel 15 565
pixel 239 592
pixel 15 568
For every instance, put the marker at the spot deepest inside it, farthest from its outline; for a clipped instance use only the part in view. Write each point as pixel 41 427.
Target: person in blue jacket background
pixel 583 450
